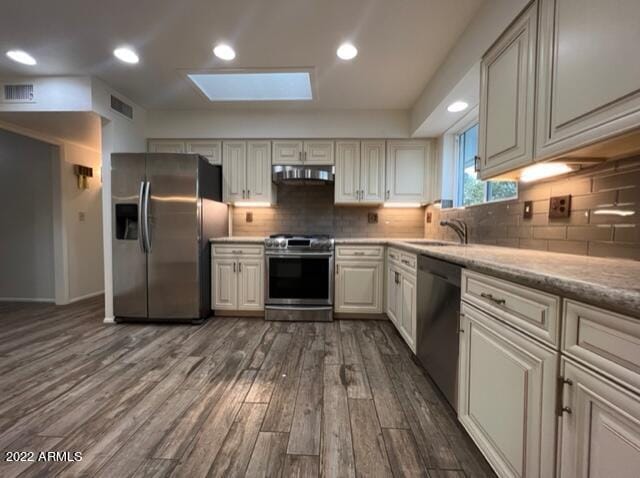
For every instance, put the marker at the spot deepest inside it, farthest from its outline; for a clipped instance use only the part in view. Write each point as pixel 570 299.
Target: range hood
pixel 302 175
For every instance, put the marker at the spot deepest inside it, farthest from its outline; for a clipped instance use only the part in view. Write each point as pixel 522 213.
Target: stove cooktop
pixel 302 236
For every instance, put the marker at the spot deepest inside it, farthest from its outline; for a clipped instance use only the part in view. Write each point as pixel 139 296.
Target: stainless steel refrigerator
pixel 165 207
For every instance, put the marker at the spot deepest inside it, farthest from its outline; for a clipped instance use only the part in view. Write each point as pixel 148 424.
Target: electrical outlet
pixel 249 216
pixel 527 213
pixel 559 206
pixel 429 217
pixel 81 216
pixel 372 218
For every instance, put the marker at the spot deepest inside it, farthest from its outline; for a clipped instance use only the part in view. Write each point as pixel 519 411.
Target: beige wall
pixel 26 216
pixel 77 243
pixel 265 123
pixel 311 210
pixel 613 185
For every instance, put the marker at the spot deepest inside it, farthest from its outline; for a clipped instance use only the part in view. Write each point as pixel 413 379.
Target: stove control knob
pixel 282 244
pixel 269 243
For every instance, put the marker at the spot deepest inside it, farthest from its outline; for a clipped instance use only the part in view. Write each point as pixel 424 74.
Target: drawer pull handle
pixel 493 299
pixel 566 410
pixel 236 252
pixel 358 253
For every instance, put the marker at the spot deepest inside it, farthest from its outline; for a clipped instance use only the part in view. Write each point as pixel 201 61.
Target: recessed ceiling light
pixel 224 52
pixel 347 51
pixel 126 54
pixel 21 57
pixel 457 106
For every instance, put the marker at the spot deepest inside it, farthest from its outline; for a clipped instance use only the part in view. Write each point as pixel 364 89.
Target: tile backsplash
pixel 604 219
pixel 310 209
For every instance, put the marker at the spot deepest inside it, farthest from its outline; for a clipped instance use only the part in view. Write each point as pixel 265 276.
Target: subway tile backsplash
pixel 310 210
pixel 593 228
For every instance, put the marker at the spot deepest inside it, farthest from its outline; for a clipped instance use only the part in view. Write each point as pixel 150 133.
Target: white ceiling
pixel 401 44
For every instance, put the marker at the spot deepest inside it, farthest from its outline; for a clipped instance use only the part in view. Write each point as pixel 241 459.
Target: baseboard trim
pixel 351 316
pixel 86 296
pixel 238 313
pixel 28 299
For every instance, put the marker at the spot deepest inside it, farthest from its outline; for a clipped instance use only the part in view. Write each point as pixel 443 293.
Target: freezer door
pixel 173 234
pixel 129 258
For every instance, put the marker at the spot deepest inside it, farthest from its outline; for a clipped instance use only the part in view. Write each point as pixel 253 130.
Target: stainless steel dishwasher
pixel 438 320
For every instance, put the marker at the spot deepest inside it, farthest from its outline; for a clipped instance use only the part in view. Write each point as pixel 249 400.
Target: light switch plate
pixel 559 206
pixel 527 212
pixel 249 216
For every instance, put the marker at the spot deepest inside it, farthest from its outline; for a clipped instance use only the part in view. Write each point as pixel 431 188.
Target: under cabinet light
pixel 544 170
pixel 402 204
pixel 252 204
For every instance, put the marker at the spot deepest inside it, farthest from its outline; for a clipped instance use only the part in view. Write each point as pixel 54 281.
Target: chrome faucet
pixel 459 227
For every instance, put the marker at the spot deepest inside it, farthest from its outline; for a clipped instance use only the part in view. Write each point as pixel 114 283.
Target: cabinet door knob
pixel 566 410
pixel 567 381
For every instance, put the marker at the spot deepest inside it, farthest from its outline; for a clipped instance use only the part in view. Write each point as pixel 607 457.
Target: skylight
pixel 254 86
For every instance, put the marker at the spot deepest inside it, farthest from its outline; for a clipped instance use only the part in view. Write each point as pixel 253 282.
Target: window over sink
pixel 470 188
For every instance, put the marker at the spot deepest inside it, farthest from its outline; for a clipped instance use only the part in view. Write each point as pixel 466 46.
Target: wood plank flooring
pixel 229 398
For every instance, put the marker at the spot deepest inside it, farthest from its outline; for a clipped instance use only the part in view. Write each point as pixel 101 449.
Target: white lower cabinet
pixel 224 284
pixel 402 294
pixel 600 433
pixel 393 294
pixel 250 284
pixel 359 286
pixel 237 279
pixel 507 385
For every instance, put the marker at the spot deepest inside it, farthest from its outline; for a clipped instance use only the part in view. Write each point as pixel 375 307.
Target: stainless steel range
pixel 299 277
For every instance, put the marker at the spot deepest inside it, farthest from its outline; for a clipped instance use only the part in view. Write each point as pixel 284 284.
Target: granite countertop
pixel 609 283
pixel 238 240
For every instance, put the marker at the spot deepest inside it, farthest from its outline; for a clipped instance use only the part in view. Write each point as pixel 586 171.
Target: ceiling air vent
pixel 18 93
pixel 121 107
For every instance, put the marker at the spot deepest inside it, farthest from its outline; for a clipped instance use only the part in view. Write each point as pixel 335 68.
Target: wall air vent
pixel 18 93
pixel 121 107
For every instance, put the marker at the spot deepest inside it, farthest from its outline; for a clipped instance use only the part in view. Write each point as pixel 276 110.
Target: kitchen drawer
pixel 530 310
pixel 408 261
pixel 603 340
pixel 393 255
pixel 237 250
pixel 360 252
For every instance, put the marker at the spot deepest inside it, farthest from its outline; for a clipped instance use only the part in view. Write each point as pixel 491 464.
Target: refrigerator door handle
pixel 141 239
pixel 147 235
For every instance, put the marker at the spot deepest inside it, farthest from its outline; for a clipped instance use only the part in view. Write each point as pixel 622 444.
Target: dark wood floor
pixel 232 397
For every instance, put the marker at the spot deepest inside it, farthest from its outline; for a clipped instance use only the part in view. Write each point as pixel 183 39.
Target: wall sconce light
pixel 83 173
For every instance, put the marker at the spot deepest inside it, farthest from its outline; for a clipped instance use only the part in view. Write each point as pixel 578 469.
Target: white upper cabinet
pixel 408 171
pixel 588 73
pixel 212 150
pixel 347 180
pixel 246 171
pixel 259 185
pixel 372 171
pixel 312 152
pixel 318 152
pixel 166 146
pixel 360 172
pixel 234 171
pixel 507 85
pixel 287 152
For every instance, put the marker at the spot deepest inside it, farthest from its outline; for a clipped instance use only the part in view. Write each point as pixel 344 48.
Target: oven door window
pixel 299 278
